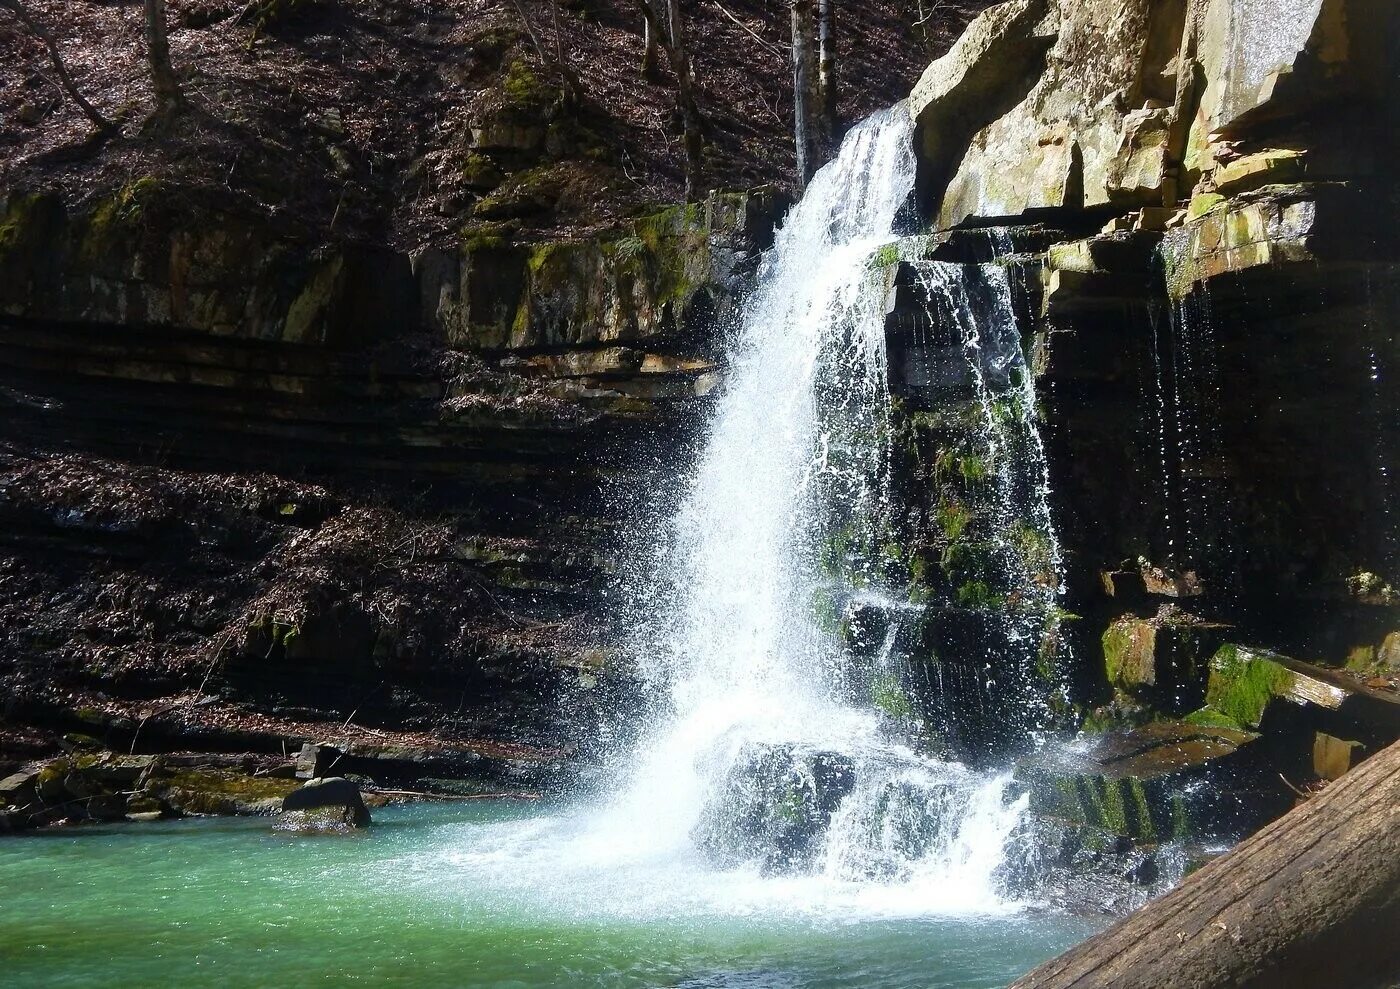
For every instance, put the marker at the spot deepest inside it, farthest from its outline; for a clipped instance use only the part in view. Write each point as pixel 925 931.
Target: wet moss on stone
pixel 1242 684
pixel 889 696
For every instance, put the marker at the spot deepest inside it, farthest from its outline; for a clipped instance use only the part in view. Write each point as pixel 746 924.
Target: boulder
pixel 18 789
pixel 332 792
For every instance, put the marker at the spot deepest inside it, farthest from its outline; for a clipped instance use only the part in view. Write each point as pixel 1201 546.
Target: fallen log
pixel 1310 901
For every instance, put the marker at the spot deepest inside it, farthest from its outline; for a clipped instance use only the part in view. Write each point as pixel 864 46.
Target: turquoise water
pixel 478 895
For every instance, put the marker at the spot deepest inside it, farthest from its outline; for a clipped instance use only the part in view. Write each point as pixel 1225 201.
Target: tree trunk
pixel 1311 901
pixel 167 88
pixel 679 56
pixel 690 110
pixel 59 68
pixel 803 93
pixel 651 52
pixel 826 79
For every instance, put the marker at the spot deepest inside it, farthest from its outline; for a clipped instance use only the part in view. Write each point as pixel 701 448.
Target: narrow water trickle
pixel 1024 565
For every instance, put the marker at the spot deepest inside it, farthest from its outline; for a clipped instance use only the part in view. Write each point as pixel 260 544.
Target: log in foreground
pixel 1311 901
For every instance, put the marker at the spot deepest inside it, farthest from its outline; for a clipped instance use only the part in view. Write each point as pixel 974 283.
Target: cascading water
pixel 763 760
pixel 777 777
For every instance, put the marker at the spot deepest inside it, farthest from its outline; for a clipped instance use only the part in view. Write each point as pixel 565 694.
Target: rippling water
pixel 442 896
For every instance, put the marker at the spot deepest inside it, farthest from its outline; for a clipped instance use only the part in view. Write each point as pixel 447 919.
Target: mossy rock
pixel 1140 784
pixel 1243 683
pixel 208 792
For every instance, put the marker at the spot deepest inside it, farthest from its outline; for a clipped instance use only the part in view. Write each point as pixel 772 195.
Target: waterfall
pixel 764 757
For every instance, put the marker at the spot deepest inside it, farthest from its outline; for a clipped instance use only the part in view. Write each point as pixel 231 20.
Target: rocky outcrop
pixel 1138 102
pixel 1194 203
pixel 385 484
pixel 774 807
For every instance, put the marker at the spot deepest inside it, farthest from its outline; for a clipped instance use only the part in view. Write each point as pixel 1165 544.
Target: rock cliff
pixel 1197 200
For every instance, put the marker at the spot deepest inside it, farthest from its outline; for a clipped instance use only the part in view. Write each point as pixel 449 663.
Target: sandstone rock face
pixel 1137 101
pixel 1197 198
pixel 666 275
pixel 133 260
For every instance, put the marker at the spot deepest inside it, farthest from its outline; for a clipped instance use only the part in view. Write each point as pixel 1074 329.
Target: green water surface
pixel 453 896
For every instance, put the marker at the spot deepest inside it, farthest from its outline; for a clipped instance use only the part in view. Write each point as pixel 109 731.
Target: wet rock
pixel 1167 781
pixel 1083 869
pixel 774 807
pixel 331 792
pixel 1163 660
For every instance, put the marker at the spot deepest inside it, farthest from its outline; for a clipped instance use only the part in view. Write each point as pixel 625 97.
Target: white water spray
pixel 760 764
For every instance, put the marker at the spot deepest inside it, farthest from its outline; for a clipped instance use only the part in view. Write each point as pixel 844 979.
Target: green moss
pixel 54 771
pixel 978 596
pixel 1362 659
pixel 19 221
pixel 1143 827
pixel 1243 683
pixel 219 792
pixel 965 560
pixel 889 696
pixel 119 211
pixel 525 90
pixel 1117 645
pixel 484 236
pixel 1033 546
pixel 885 257
pixel 285 634
pixel 1113 810
pixel 1098 721
pixel 1181 824
pixel 825 612
pixel 1206 718
pixel 480 171
pixel 973 470
pixel 952 519
pixel 629 249
pixel 835 553
pixel 790 807
pixel 1203 204
pixel 918 569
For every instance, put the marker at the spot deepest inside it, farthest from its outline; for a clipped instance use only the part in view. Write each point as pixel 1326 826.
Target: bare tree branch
pixel 66 80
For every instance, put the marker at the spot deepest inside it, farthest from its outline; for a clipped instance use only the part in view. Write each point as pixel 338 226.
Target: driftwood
pixel 1310 902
